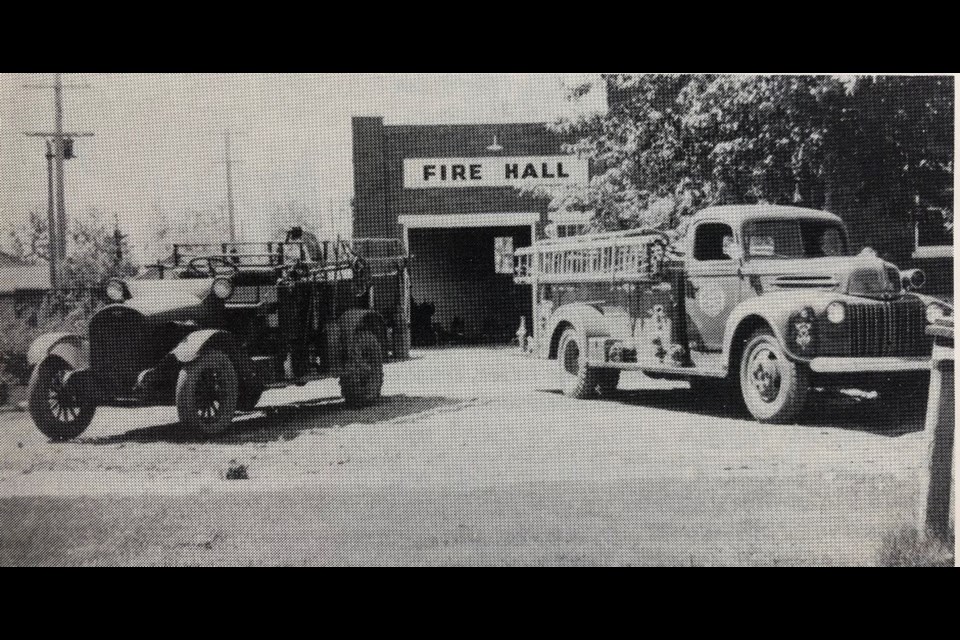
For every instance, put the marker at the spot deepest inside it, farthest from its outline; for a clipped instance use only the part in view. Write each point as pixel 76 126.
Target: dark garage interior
pixel 454 275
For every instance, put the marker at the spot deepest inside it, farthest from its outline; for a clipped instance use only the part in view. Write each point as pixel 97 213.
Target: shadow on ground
pixel 826 408
pixel 285 422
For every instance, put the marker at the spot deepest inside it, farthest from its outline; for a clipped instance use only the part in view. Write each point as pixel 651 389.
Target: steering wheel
pixel 216 266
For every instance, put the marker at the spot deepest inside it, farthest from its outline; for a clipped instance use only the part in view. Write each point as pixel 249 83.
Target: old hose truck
pixel 218 325
pixel 758 300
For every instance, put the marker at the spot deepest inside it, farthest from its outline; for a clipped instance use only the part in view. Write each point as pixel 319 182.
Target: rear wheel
pixel 362 381
pixel 774 388
pixel 207 393
pixel 579 380
pixel 608 379
pixel 60 404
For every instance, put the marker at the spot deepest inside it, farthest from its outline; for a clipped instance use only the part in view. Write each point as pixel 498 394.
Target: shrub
pixel 67 311
pixel 905 547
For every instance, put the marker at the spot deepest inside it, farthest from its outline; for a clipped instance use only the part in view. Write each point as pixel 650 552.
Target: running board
pixel 709 365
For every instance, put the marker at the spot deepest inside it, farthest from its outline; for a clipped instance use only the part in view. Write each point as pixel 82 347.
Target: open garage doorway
pixel 462 284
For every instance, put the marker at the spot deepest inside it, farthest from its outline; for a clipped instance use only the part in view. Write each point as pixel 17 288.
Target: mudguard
pixel 68 346
pixel 588 320
pixel 191 346
pixel 774 309
pixel 927 299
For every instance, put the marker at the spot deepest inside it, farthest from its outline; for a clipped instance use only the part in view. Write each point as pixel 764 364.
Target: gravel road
pixel 472 457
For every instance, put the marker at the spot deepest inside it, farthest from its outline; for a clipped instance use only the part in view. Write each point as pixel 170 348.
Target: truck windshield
pixel 794 239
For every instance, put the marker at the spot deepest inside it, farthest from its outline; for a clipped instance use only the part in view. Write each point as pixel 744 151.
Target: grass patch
pixel 905 547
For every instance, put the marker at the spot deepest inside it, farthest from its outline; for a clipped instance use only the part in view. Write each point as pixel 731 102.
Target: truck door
pixel 713 286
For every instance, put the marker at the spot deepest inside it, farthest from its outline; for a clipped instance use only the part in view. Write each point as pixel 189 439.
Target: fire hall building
pixel 454 194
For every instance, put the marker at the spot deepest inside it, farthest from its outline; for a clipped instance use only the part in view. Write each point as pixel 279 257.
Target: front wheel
pixel 774 388
pixel 60 403
pixel 207 393
pixel 363 378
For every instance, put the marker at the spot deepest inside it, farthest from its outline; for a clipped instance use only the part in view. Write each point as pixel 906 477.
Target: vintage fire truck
pixel 763 301
pixel 216 325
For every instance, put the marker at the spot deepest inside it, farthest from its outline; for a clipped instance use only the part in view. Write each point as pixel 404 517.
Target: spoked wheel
pixel 363 379
pixel 207 393
pixel 774 388
pixel 60 404
pixel 579 380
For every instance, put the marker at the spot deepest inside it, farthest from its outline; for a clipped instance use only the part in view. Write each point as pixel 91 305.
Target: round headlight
pixel 836 312
pixel 222 288
pixel 936 312
pixel 116 291
pixel 913 278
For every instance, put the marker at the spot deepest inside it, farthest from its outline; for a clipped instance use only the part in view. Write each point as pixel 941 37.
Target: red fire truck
pixel 761 300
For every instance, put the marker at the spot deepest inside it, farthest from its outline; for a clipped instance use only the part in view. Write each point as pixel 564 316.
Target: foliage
pixel 905 547
pixel 66 310
pixel 671 144
pixel 91 248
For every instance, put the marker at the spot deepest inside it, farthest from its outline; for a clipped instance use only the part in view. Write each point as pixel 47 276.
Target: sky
pixel 159 138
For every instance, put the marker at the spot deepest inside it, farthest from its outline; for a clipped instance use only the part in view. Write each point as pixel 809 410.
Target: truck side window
pixel 708 242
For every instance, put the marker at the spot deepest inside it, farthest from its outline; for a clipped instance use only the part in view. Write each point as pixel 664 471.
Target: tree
pixel 93 252
pixel 91 249
pixel 877 151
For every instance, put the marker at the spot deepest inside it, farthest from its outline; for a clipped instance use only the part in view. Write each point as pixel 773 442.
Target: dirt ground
pixel 473 457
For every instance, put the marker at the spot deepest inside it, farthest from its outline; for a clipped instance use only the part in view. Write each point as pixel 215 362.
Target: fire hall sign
pixel 435 173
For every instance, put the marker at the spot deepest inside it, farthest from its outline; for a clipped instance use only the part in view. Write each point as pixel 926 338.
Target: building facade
pixel 458 197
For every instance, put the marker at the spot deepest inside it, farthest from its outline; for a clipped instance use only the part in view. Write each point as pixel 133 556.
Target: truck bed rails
pixel 635 255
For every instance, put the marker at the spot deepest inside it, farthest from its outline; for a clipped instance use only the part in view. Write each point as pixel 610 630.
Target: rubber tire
pixel 794 383
pixel 584 382
pixel 38 402
pixel 363 381
pixel 208 360
pixel 608 379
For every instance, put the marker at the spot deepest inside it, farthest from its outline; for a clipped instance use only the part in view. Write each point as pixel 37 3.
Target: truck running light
pixel 836 312
pixel 116 291
pixel 222 288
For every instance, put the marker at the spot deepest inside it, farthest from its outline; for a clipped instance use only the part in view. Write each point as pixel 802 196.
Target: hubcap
pixel 763 371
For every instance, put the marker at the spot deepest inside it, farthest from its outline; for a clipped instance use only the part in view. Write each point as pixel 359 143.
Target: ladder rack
pixel 635 255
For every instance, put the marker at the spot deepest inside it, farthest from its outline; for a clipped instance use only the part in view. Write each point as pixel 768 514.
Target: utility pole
pixel 229 162
pixel 52 235
pixel 62 149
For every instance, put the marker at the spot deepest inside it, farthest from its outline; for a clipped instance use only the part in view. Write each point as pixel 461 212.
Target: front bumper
pixel 828 364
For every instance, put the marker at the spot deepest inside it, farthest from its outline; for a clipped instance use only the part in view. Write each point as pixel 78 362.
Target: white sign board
pixel 492 171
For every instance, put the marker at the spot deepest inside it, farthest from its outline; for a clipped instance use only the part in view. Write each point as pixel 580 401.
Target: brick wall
pixel 379 151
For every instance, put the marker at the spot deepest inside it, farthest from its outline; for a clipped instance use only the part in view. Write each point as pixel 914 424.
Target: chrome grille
pixel 893 328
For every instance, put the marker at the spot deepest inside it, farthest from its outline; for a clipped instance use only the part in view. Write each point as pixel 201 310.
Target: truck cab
pixel 767 298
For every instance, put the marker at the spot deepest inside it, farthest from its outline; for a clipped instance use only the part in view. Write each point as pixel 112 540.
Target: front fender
pixel 191 346
pixel 68 346
pixel 927 299
pixel 773 309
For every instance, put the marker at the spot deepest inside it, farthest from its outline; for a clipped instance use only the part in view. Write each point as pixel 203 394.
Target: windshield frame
pixel 747 227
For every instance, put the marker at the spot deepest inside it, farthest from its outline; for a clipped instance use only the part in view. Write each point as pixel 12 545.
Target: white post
pixel 936 511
